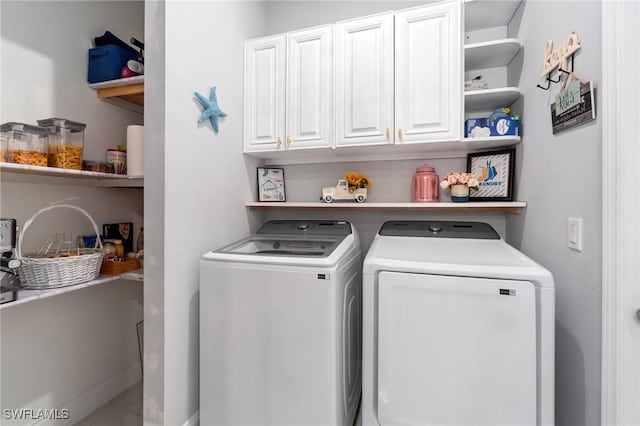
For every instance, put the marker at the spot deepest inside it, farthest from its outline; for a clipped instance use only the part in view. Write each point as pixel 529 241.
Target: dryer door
pixel 456 351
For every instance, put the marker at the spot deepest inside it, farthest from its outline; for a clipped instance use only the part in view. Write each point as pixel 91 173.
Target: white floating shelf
pixel 490 54
pixel 26 173
pixel 490 99
pixel 514 207
pixel 26 296
pixel 480 14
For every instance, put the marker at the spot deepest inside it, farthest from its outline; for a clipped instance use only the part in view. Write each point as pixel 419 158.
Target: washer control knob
pixel 435 228
pixel 303 226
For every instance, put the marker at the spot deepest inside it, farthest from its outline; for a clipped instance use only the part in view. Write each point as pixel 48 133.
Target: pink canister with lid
pixel 426 185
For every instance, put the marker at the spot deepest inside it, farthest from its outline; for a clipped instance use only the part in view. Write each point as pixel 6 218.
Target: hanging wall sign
pixel 560 56
pixel 568 98
pixel 580 113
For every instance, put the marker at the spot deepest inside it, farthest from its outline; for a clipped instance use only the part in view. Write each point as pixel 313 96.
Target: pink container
pixel 426 185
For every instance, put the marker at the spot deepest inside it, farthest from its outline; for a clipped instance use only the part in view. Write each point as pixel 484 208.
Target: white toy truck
pixel 341 192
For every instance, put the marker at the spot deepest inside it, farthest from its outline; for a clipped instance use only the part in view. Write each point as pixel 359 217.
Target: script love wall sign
pixel 560 56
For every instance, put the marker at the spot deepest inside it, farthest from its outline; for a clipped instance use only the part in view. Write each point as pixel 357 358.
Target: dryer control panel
pixel 439 229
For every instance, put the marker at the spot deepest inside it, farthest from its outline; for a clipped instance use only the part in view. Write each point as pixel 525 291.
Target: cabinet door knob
pixel 289 140
pixel 400 134
pixel 388 133
pixel 279 141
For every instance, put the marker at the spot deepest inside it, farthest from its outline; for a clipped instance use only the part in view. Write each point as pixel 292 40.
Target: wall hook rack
pixel 550 80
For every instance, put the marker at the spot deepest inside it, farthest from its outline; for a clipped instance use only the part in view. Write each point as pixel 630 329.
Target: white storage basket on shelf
pixel 42 272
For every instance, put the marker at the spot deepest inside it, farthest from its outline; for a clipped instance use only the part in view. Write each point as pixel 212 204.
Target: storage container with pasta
pixel 66 142
pixel 26 144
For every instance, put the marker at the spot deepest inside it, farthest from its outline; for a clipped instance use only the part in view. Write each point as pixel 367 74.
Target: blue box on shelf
pixel 106 62
pixel 486 127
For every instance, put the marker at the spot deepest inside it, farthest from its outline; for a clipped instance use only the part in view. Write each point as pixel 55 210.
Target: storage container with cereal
pixel 27 144
pixel 66 142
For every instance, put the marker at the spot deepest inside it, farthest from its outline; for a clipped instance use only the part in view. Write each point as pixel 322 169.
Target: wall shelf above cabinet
pixel 51 175
pixel 490 54
pixel 490 99
pixel 514 207
pixel 488 13
pixel 125 92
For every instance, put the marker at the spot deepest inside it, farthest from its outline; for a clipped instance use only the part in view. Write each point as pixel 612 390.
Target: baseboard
pixel 98 396
pixel 194 420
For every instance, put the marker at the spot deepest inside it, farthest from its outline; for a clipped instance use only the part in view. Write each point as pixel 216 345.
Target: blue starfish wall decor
pixel 211 109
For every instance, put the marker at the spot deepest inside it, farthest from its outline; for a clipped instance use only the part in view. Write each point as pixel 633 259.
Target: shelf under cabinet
pixel 26 296
pixel 514 207
pixel 490 54
pixel 490 99
pixel 125 92
pixel 36 174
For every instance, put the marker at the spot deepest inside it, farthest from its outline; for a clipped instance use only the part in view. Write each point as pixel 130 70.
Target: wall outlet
pixel 574 234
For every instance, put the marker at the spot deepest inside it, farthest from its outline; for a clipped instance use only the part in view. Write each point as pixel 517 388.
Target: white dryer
pixel 458 329
pixel 280 327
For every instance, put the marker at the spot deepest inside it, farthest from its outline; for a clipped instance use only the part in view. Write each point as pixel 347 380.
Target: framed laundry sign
pixel 494 171
pixel 271 184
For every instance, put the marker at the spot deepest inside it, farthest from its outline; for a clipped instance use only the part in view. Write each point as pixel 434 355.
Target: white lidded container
pixel 66 143
pixel 26 144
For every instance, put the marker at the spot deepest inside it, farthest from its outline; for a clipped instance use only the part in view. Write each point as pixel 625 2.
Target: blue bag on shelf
pixel 106 62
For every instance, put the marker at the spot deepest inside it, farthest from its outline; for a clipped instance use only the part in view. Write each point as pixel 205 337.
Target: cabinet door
pixel 309 88
pixel 364 81
pixel 264 86
pixel 429 73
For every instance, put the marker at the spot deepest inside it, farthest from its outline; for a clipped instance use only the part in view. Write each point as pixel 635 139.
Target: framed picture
pixel 494 171
pixel 271 184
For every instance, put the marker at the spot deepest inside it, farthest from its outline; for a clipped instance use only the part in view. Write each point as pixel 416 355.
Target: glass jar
pixel 118 160
pixel 109 250
pixel 26 144
pixel 66 143
pixel 426 185
pixel 118 245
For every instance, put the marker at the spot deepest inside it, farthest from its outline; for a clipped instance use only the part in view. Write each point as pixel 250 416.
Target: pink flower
pixel 452 178
pixel 444 184
pixel 463 178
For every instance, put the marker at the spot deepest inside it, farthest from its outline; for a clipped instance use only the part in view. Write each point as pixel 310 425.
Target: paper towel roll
pixel 135 150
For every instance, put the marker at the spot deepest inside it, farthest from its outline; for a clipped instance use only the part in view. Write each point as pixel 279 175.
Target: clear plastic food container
pixel 66 142
pixel 4 143
pixel 26 144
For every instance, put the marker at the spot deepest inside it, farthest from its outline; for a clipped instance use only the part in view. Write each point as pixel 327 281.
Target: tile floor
pixel 126 410
pixel 123 410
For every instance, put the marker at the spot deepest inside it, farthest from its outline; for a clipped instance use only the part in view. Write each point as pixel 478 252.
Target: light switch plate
pixel 574 234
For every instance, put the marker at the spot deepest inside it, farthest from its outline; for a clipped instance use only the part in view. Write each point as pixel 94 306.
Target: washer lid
pixel 301 228
pixel 284 245
pixel 292 242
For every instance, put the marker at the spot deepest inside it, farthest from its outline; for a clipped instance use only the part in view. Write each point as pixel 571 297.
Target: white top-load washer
pixel 280 327
pixel 458 329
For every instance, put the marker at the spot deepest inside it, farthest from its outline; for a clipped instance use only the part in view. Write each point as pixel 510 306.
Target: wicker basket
pixel 43 272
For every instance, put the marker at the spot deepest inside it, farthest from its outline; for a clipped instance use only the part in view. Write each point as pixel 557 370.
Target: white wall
pixel 560 177
pixel 49 346
pixel 207 181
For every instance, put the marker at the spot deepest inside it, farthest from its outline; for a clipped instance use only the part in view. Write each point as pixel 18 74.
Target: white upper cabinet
pixel 309 88
pixel 288 91
pixel 428 78
pixel 364 81
pixel 264 94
